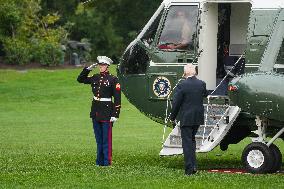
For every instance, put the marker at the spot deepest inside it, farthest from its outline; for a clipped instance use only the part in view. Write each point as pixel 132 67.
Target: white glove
pixel 91 66
pixel 113 119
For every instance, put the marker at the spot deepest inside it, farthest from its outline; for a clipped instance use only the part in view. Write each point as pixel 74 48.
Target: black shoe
pixel 190 173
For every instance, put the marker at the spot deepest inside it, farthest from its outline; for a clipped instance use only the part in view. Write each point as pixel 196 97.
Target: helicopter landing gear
pixel 261 157
pixel 276 164
pixel 257 158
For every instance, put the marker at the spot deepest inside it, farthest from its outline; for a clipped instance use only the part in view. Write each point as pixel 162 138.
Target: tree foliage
pixel 27 35
pixel 108 24
pixel 10 18
pixel 33 27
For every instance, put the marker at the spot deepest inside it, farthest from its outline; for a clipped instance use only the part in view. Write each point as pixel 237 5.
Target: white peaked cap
pixel 104 60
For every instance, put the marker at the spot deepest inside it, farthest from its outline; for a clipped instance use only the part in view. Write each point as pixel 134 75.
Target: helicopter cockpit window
pixel 179 29
pixel 149 35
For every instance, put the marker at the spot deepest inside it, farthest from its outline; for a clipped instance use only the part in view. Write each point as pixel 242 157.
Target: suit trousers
pixel 103 134
pixel 189 147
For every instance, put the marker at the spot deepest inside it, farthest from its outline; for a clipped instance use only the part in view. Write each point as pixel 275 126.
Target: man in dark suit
pixel 188 102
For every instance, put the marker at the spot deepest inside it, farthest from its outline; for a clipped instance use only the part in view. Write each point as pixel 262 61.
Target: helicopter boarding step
pixel 219 116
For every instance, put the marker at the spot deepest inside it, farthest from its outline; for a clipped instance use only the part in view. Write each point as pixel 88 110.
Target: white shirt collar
pixel 190 76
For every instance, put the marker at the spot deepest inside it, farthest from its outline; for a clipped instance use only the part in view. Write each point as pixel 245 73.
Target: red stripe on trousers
pixel 110 142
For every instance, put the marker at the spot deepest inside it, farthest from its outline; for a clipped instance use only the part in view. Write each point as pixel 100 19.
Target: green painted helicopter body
pixel 144 63
pixel 238 48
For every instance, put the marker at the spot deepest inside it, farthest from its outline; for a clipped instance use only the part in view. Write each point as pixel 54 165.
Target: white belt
pixel 102 99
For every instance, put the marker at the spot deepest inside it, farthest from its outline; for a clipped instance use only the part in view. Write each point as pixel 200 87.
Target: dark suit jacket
pixel 188 101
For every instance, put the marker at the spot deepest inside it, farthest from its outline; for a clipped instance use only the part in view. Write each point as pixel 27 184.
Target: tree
pixel 97 26
pixel 27 35
pixel 109 25
pixel 10 18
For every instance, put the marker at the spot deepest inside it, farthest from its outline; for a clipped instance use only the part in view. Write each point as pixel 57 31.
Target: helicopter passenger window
pixel 179 30
pixel 279 64
pixel 280 58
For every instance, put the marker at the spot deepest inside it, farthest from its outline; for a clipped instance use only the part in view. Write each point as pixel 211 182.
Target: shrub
pixel 47 53
pixel 17 51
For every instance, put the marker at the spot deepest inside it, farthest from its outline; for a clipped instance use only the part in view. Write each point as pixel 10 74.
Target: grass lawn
pixel 46 140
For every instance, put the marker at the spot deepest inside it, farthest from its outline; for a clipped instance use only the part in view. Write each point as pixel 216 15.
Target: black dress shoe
pixel 191 173
pixel 188 174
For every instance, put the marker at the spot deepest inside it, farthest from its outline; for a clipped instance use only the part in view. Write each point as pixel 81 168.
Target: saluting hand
pixel 92 66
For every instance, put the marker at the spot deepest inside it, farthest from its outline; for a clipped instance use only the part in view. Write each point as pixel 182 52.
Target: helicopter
pixel 238 48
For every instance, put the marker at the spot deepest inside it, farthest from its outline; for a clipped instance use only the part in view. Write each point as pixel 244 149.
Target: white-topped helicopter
pixel 239 50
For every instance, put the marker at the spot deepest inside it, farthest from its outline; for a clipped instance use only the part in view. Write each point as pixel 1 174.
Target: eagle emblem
pixel 161 87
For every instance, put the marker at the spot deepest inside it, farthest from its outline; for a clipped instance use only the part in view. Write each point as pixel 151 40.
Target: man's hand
pixel 113 119
pixel 173 123
pixel 92 66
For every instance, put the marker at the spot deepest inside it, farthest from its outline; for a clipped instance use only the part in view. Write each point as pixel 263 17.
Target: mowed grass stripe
pixel 47 141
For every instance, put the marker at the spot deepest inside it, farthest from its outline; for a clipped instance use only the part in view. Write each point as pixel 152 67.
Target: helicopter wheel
pixel 257 158
pixel 277 157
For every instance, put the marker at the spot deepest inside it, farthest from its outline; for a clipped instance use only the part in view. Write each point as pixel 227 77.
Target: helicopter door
pixel 175 40
pixel 207 63
pixel 222 40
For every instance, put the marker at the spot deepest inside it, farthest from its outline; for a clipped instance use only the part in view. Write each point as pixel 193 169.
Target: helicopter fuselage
pixel 220 34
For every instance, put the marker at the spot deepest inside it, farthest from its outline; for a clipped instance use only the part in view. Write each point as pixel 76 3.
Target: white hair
pixel 189 70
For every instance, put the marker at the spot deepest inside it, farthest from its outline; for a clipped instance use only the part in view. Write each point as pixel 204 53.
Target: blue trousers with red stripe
pixel 103 134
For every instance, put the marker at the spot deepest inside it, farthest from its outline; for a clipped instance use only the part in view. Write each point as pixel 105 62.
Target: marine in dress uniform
pixel 188 102
pixel 104 110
